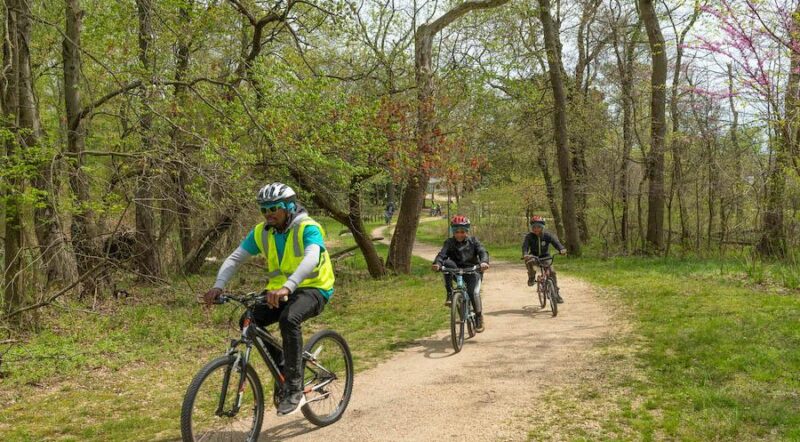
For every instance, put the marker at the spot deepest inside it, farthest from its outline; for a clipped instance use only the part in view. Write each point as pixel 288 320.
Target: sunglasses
pixel 272 208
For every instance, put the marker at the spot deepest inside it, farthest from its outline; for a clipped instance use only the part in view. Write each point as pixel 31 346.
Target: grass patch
pixel 710 356
pixel 120 373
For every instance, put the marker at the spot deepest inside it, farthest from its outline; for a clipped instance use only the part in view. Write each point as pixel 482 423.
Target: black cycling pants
pixel 302 305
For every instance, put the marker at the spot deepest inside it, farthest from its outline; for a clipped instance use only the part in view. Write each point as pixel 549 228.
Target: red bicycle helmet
pixel 538 219
pixel 460 221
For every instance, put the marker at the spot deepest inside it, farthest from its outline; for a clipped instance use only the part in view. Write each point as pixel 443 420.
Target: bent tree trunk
pixel 195 259
pixel 405 233
pixel 351 218
pixel 555 68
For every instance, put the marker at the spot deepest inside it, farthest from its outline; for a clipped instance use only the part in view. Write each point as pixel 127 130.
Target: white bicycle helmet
pixel 275 192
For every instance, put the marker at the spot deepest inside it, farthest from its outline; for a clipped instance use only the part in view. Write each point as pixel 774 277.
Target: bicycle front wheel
pixel 551 294
pixel 210 411
pixel 328 379
pixel 542 295
pixel 457 320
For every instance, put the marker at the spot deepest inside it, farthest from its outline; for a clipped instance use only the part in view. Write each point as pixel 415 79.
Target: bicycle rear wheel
pixel 207 412
pixel 470 319
pixel 551 294
pixel 457 320
pixel 328 377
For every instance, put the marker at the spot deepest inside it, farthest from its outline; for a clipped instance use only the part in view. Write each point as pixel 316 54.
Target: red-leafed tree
pixel 757 37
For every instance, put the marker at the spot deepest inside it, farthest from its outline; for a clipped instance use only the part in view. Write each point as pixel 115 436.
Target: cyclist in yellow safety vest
pixel 298 267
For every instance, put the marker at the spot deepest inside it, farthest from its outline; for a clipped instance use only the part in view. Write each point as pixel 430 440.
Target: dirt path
pixel 486 392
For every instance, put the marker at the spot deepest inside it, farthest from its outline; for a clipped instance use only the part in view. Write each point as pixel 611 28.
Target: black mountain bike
pixel 225 400
pixel 545 286
pixel 461 315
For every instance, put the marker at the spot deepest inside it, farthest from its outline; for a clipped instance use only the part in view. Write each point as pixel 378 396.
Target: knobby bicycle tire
pixel 456 321
pixel 551 293
pixel 187 432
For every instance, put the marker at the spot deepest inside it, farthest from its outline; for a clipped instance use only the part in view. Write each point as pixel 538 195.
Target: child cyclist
pixel 537 243
pixel 461 251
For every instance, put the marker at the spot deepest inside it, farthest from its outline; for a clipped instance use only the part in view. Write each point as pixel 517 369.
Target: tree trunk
pixel 737 188
pixel 551 192
pixel 405 233
pixel 578 95
pixel 555 68
pixel 209 238
pixel 362 237
pixel 147 248
pixel 713 186
pixel 85 241
pixel 58 265
pixel 773 239
pixel 655 170
pixel 677 143
pixel 180 175
pixel 402 244
pixel 624 182
pixel 626 68
pixel 677 150
pixel 351 218
pixel 14 294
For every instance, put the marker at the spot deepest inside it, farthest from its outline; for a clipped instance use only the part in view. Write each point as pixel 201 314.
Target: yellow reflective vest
pixel 278 272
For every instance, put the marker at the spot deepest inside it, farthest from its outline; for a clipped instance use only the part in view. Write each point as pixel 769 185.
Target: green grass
pixel 120 373
pixel 710 356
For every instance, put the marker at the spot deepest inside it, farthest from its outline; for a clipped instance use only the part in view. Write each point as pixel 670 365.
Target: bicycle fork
pixel 240 364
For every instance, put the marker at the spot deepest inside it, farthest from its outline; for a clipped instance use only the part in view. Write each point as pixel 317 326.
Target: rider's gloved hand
pixel 527 258
pixel 484 266
pixel 212 295
pixel 436 267
pixel 563 251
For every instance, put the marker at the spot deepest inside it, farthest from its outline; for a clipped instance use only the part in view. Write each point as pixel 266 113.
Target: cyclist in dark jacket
pixel 537 243
pixel 460 251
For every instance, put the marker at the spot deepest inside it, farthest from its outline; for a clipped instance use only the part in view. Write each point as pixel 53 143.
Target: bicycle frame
pixel 544 265
pixel 462 287
pixel 254 336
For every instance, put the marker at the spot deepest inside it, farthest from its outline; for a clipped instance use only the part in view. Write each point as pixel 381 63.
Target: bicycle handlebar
pixel 460 271
pixel 541 261
pixel 249 299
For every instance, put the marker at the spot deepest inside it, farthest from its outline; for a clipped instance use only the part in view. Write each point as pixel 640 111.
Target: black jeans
pixel 473 283
pixel 303 304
